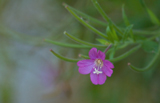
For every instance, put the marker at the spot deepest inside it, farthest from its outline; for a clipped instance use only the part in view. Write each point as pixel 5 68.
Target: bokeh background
pixel 30 73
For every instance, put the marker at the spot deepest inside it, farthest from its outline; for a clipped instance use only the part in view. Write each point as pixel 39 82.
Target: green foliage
pixel 67 45
pixel 150 64
pixel 116 36
pixel 152 16
pixel 150 46
pixel 125 18
pixel 126 32
pixel 64 58
pixel 103 41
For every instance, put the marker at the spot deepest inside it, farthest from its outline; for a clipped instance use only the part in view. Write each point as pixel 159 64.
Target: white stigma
pixel 96 71
pixel 98 66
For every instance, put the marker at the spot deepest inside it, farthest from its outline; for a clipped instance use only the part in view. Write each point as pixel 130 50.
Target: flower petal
pixel 94 78
pixel 85 70
pixel 84 63
pixel 102 78
pixel 98 78
pixel 93 53
pixel 107 71
pixel 108 63
pixel 101 55
pixel 85 66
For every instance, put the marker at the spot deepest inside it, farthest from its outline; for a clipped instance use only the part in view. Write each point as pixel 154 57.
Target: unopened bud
pixel 129 64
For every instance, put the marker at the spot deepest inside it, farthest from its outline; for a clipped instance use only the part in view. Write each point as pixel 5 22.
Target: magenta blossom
pixel 97 66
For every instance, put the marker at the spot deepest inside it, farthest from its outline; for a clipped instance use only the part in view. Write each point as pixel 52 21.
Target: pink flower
pixel 97 66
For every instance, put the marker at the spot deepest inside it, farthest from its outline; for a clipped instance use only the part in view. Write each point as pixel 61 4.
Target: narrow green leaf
pixel 149 64
pixel 114 35
pixel 87 16
pixel 67 44
pixel 125 18
pixel 121 46
pixel 84 56
pixel 84 23
pixel 127 31
pixel 111 55
pixel 143 32
pixel 64 58
pixel 111 33
pixel 125 54
pixel 104 15
pixel 83 42
pixel 104 42
pixel 150 46
pixel 101 11
pixel 152 16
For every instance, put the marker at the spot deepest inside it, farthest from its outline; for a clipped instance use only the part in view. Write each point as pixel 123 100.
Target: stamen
pixel 98 66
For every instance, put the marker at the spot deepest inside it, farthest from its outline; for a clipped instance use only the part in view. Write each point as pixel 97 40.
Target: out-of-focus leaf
pixel 125 54
pixel 64 58
pixel 111 55
pixel 127 31
pixel 104 42
pixel 84 56
pixel 105 16
pixel 114 35
pixel 111 33
pixel 88 17
pixel 67 44
pixel 152 16
pixel 150 64
pixel 139 37
pixel 125 18
pixel 150 46
pixel 83 22
pixel 84 42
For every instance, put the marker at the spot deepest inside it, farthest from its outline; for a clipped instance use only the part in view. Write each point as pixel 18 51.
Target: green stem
pixel 64 58
pixel 83 42
pixel 67 44
pixel 118 47
pixel 101 11
pixel 84 23
pixel 149 64
pixel 84 56
pixel 87 16
pixel 125 54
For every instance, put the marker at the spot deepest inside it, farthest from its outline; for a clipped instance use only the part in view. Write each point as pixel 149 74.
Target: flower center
pixel 98 66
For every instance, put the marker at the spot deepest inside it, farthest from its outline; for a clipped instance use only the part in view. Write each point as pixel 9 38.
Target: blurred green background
pixel 29 73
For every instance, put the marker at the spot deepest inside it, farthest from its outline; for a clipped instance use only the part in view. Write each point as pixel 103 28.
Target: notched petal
pixel 102 78
pixel 101 55
pixel 94 78
pixel 93 53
